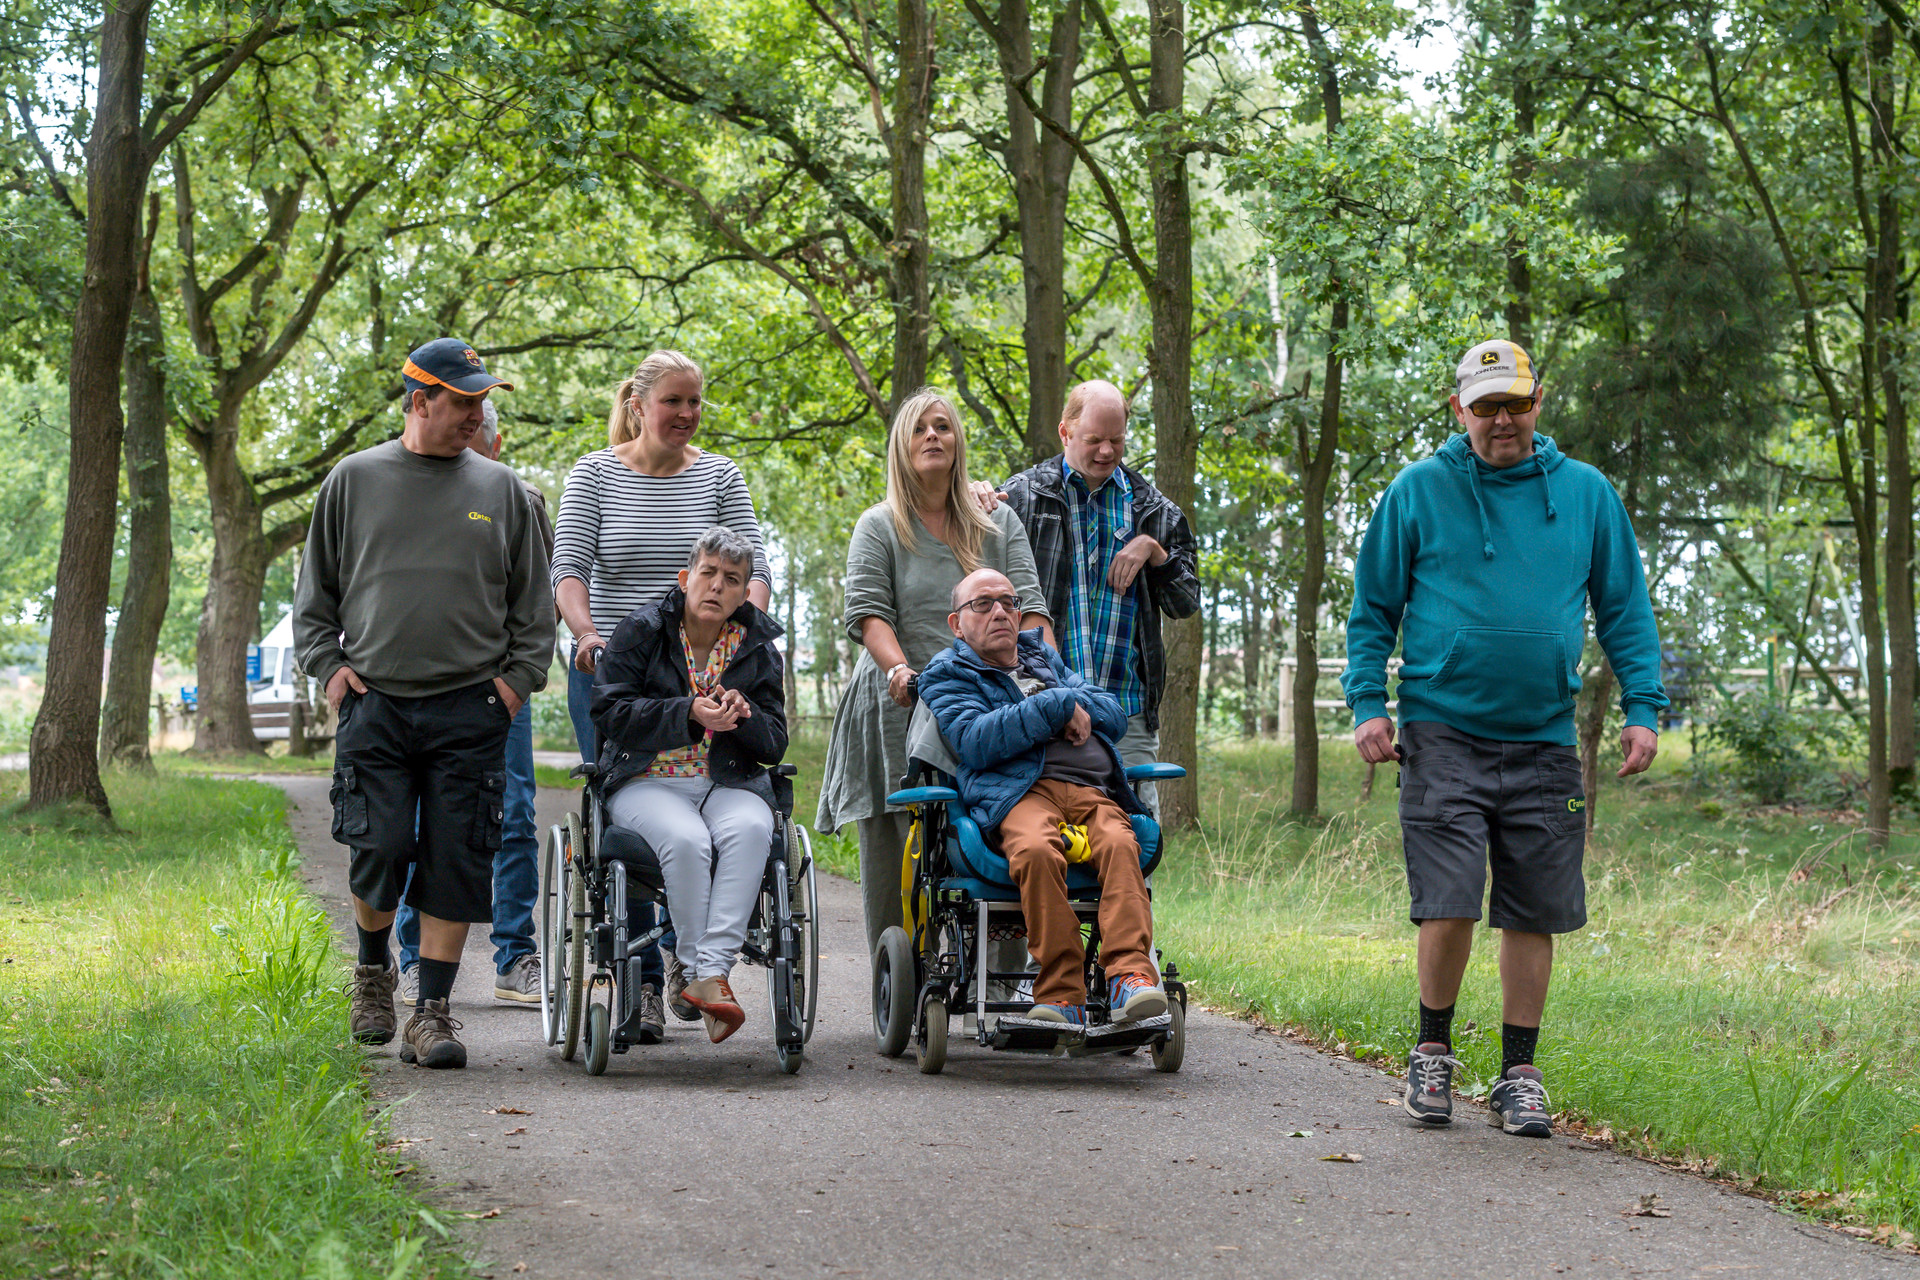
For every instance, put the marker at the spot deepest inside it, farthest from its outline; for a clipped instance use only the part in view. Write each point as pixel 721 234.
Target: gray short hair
pixel 722 543
pixel 489 422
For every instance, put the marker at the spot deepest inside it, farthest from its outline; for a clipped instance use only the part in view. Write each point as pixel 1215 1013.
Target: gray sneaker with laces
pixel 1429 1097
pixel 648 1022
pixel 410 986
pixel 520 983
pixel 1519 1104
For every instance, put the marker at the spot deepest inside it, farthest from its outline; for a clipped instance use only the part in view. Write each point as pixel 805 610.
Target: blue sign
pixel 253 662
pixel 190 696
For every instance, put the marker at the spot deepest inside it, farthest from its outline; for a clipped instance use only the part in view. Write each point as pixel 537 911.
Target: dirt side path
pixel 694 1160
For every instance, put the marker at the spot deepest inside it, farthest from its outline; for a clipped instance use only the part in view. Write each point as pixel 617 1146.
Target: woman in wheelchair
pixel 690 706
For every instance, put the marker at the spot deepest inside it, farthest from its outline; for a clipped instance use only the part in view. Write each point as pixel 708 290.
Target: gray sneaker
pixel 677 990
pixel 370 1014
pixel 410 986
pixel 649 1019
pixel 1519 1104
pixel 520 983
pixel 1429 1097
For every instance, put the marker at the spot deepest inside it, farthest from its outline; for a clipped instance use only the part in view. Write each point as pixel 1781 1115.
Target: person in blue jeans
pixel 516 867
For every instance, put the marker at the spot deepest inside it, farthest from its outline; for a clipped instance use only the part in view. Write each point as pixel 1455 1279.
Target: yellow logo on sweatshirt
pixel 475 515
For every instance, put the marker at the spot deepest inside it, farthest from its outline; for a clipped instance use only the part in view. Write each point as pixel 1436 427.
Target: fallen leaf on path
pixel 507 1111
pixel 1344 1157
pixel 490 1213
pixel 1303 1133
pixel 519 1266
pixel 1649 1207
pixel 521 1129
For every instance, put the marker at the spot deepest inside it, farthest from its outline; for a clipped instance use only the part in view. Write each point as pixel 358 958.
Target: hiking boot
pixel 521 982
pixel 1429 1097
pixel 410 986
pixel 428 1040
pixel 714 998
pixel 370 1012
pixel 1131 996
pixel 1519 1103
pixel 677 990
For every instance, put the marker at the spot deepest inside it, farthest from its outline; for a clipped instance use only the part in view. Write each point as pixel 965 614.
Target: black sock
pixel 436 979
pixel 1516 1046
pixel 1436 1026
pixel 373 946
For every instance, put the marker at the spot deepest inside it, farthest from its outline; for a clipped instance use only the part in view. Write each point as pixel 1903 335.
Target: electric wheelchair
pixel 589 873
pixel 958 899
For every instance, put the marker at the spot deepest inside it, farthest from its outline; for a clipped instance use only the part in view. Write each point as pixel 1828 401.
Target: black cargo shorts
pixel 442 758
pixel 1467 804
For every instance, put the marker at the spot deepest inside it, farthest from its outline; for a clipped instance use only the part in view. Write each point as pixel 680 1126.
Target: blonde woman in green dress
pixel 906 556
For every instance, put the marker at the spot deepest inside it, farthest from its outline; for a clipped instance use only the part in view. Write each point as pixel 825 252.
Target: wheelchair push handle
pixel 1154 772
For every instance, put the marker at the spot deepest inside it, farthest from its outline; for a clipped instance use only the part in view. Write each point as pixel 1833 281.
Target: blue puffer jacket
pixel 1000 737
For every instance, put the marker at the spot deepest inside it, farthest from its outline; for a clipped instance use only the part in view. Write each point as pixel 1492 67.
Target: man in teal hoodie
pixel 1482 560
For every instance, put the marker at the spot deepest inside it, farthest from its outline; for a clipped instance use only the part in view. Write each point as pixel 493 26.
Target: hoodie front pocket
pixel 1503 678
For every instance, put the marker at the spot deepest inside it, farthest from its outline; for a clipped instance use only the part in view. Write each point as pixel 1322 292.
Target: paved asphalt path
pixel 696 1160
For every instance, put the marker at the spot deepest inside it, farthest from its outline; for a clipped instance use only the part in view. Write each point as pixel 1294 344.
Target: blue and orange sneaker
pixel 1067 1015
pixel 1131 997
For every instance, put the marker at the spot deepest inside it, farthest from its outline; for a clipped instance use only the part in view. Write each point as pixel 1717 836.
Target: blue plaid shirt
pixel 1099 625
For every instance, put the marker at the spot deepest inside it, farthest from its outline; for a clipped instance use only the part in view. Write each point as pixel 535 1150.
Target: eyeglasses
pixel 987 604
pixel 1492 408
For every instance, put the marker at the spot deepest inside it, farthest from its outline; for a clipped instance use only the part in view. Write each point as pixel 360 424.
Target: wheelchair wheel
pixel 894 986
pixel 599 1038
pixel 805 904
pixel 930 1046
pixel 552 993
pixel 1168 1053
pixel 571 979
pixel 790 1058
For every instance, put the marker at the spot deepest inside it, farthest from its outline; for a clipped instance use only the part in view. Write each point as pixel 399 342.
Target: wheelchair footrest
pixel 1034 1035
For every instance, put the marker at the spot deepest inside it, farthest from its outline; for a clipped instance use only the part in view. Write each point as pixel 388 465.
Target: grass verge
pixel 180 1099
pixel 1741 1001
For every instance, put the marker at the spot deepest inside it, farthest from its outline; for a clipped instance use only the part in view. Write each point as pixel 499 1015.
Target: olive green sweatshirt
pixel 424 575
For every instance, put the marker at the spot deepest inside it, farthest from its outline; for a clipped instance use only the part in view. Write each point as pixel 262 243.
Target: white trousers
pixel 713 844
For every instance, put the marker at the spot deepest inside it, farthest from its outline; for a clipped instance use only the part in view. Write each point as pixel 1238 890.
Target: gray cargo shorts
pixel 1468 803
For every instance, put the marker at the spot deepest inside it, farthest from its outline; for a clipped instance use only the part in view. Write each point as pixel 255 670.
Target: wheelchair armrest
pixel 923 795
pixel 785 770
pixel 585 769
pixel 1154 772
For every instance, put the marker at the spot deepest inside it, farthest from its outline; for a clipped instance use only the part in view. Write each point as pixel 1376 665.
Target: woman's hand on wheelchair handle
pixel 901 685
pixel 586 652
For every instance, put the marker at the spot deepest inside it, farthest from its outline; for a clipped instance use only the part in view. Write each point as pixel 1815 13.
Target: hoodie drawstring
pixel 1486 529
pixel 1546 478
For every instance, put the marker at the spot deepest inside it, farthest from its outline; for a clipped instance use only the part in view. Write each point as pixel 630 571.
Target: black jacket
pixel 1038 496
pixel 642 703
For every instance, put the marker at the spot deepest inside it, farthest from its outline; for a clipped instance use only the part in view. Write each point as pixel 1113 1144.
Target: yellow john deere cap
pixel 1496 368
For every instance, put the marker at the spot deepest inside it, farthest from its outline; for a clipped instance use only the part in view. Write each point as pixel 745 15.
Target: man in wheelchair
pixel 691 710
pixel 1034 743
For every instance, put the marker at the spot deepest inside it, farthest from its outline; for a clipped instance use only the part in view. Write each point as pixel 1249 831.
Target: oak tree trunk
pixel 1889 302
pixel 1520 170
pixel 912 248
pixel 62 764
pixel 230 613
pixel 143 601
pixel 1169 364
pixel 1594 696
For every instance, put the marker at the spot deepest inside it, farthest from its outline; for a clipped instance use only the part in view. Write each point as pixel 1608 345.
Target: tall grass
pixel 181 1099
pixel 1743 998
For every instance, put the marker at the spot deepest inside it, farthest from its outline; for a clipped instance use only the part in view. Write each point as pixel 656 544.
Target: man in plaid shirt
pixel 1113 555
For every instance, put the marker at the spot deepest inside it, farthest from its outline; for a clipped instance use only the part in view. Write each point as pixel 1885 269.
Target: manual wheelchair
pixel 958 899
pixel 587 876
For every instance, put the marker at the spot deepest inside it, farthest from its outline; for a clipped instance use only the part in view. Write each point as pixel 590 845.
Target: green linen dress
pixel 911 591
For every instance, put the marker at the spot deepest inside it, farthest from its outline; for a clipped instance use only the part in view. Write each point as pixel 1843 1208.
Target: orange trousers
pixel 1036 853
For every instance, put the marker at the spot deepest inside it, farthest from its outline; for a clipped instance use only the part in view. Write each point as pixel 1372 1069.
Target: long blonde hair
pixel 623 424
pixel 967 526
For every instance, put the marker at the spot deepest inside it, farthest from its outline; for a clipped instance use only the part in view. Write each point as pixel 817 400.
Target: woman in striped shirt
pixel 630 514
